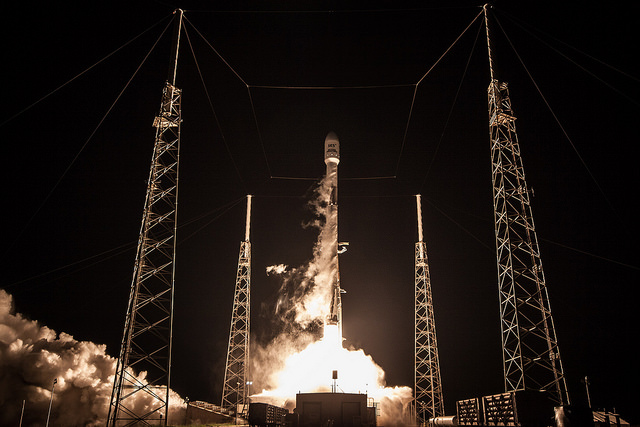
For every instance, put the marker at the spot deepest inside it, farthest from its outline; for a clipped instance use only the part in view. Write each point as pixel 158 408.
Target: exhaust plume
pixel 302 357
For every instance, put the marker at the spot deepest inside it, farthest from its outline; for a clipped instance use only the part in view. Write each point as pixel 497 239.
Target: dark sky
pixel 72 213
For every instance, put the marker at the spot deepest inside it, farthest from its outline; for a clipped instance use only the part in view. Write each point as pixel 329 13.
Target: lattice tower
pixel 147 337
pixel 427 382
pixel 235 391
pixel 531 357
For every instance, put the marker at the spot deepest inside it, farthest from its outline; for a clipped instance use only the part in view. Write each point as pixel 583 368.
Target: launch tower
pixel 427 383
pixel 235 391
pixel 146 341
pixel 531 358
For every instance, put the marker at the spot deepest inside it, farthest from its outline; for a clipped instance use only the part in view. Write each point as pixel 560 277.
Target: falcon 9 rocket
pixel 331 159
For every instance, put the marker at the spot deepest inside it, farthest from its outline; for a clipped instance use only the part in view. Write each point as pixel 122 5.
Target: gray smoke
pixel 33 355
pixel 306 291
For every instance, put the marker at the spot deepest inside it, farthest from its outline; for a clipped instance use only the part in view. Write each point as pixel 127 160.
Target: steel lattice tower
pixel 531 358
pixel 427 382
pixel 147 337
pixel 235 390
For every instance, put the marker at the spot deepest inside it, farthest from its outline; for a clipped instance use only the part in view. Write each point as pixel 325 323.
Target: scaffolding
pixel 235 391
pixel 147 336
pixel 427 381
pixel 531 358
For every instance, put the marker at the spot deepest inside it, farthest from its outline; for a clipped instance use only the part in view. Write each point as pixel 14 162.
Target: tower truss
pixel 236 376
pixel 147 337
pixel 427 382
pixel 531 357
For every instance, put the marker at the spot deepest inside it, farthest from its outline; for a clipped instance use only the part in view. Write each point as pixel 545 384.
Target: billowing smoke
pixel 302 357
pixel 32 356
pixel 306 291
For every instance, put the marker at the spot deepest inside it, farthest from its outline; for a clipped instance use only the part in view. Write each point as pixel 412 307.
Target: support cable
pixel 382 10
pixel 453 104
pixel 398 85
pixel 406 129
pixel 226 208
pixel 607 65
pixel 217 53
pixel 123 248
pixel 255 118
pixel 81 73
pixel 253 111
pixel 104 117
pixel 213 111
pixel 126 247
pixel 613 261
pixel 444 214
pixel 557 120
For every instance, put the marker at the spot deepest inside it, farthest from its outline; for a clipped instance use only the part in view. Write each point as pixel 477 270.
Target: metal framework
pixel 531 358
pixel 427 382
pixel 147 337
pixel 235 391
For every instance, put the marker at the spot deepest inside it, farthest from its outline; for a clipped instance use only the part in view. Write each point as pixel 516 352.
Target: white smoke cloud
pixel 32 356
pixel 305 294
pixel 277 269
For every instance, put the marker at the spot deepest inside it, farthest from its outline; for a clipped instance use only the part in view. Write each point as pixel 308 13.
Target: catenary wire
pixel 453 104
pixel 80 74
pixel 126 247
pixel 557 120
pixel 100 122
pixel 415 90
pixel 286 87
pixel 619 92
pixel 213 111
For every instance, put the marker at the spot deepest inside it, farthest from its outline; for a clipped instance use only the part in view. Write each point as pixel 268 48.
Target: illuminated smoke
pixel 32 356
pixel 303 356
pixel 305 294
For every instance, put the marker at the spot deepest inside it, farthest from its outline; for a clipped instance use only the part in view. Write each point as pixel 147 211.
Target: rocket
pixel 331 160
pixel 331 149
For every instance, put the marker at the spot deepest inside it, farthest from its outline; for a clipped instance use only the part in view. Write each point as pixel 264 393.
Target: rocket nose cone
pixel 331 148
pixel 331 136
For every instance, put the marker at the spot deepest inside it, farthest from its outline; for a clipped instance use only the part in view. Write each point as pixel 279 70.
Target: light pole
pixel 586 385
pixel 55 380
pixel 22 412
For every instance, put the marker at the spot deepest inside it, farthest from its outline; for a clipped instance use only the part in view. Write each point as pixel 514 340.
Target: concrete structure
pixel 334 409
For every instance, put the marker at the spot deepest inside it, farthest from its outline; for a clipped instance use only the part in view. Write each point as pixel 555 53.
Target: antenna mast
pixel 147 337
pixel 427 383
pixel 531 358
pixel 235 391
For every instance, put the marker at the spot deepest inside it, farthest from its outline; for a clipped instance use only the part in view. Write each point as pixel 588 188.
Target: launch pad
pixel 317 409
pixel 337 409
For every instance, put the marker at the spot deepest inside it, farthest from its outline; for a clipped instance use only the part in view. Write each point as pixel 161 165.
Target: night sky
pixel 75 176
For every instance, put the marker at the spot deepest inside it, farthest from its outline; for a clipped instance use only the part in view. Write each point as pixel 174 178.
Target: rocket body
pixel 331 160
pixel 331 149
